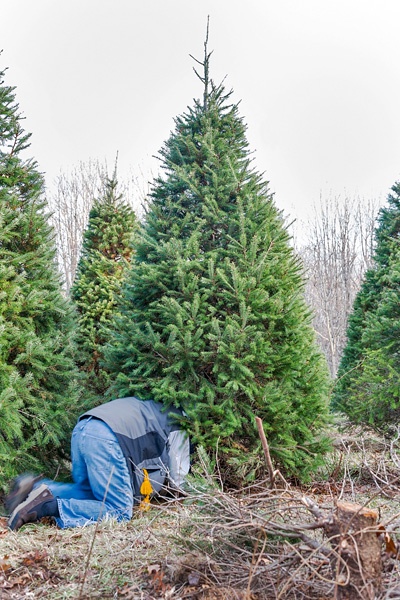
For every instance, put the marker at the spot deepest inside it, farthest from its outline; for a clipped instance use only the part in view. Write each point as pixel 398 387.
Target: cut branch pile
pixel 277 542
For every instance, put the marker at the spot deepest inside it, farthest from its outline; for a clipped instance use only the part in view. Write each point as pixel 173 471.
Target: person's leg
pixel 99 471
pixel 101 483
pixel 80 487
pixel 22 485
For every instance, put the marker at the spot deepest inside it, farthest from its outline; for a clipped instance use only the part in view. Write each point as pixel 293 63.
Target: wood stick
pixel 267 455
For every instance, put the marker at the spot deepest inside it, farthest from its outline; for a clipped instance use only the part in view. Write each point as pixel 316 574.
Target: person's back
pixel 149 435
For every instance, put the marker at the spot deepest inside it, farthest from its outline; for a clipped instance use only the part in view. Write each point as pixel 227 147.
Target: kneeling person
pixel 113 447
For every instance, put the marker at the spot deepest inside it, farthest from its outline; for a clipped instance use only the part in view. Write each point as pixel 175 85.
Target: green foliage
pixel 212 318
pixel 38 378
pixel 106 253
pixel 368 386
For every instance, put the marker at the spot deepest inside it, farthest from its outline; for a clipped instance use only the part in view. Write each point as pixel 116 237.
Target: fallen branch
pixel 271 472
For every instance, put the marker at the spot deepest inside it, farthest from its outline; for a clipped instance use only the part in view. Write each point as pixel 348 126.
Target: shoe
pixel 32 509
pixel 20 489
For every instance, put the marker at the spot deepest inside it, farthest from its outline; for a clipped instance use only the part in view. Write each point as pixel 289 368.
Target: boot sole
pixel 14 518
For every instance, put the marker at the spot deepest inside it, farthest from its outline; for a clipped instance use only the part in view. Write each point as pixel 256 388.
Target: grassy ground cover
pixel 254 543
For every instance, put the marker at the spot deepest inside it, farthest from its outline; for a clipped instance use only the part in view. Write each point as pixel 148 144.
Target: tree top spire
pixel 206 65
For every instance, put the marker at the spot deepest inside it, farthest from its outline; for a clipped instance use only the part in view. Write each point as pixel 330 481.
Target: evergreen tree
pixel 212 316
pixel 106 253
pixel 38 377
pixel 368 384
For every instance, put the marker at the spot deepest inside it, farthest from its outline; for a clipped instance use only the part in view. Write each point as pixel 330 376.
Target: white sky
pixel 318 80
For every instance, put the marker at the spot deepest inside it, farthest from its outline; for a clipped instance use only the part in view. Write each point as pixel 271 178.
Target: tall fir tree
pixel 213 317
pixel 106 253
pixel 39 393
pixel 368 381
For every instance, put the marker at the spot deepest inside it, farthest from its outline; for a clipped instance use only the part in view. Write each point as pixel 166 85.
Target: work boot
pixel 40 503
pixel 21 487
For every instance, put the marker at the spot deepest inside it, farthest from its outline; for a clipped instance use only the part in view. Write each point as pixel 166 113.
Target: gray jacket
pixel 150 439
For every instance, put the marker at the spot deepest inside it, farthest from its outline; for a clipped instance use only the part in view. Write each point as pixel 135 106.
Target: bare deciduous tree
pixel 336 254
pixel 70 202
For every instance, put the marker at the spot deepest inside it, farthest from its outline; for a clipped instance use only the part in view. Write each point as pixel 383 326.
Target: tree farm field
pixel 258 542
pixel 203 304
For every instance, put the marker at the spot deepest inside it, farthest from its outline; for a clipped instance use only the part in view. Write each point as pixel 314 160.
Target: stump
pixel 357 565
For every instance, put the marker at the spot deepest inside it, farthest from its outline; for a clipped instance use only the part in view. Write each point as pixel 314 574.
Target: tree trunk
pixel 358 562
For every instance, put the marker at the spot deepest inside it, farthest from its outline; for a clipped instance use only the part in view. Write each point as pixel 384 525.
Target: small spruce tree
pixel 106 253
pixel 212 317
pixel 39 393
pixel 368 381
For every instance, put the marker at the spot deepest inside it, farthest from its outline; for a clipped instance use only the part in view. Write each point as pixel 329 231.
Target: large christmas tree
pixel 368 382
pixel 213 317
pixel 106 253
pixel 38 376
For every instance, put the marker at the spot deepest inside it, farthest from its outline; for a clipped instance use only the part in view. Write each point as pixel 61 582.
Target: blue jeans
pixel 102 486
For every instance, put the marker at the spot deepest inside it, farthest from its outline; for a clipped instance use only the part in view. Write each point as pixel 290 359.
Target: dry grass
pixel 42 561
pixel 251 544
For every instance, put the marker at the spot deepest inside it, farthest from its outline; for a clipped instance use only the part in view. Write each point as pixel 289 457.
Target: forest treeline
pixel 203 301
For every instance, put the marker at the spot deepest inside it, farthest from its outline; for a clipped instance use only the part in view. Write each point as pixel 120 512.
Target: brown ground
pixel 252 544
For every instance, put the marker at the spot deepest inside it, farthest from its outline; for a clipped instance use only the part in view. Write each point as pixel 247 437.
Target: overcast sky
pixel 318 80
